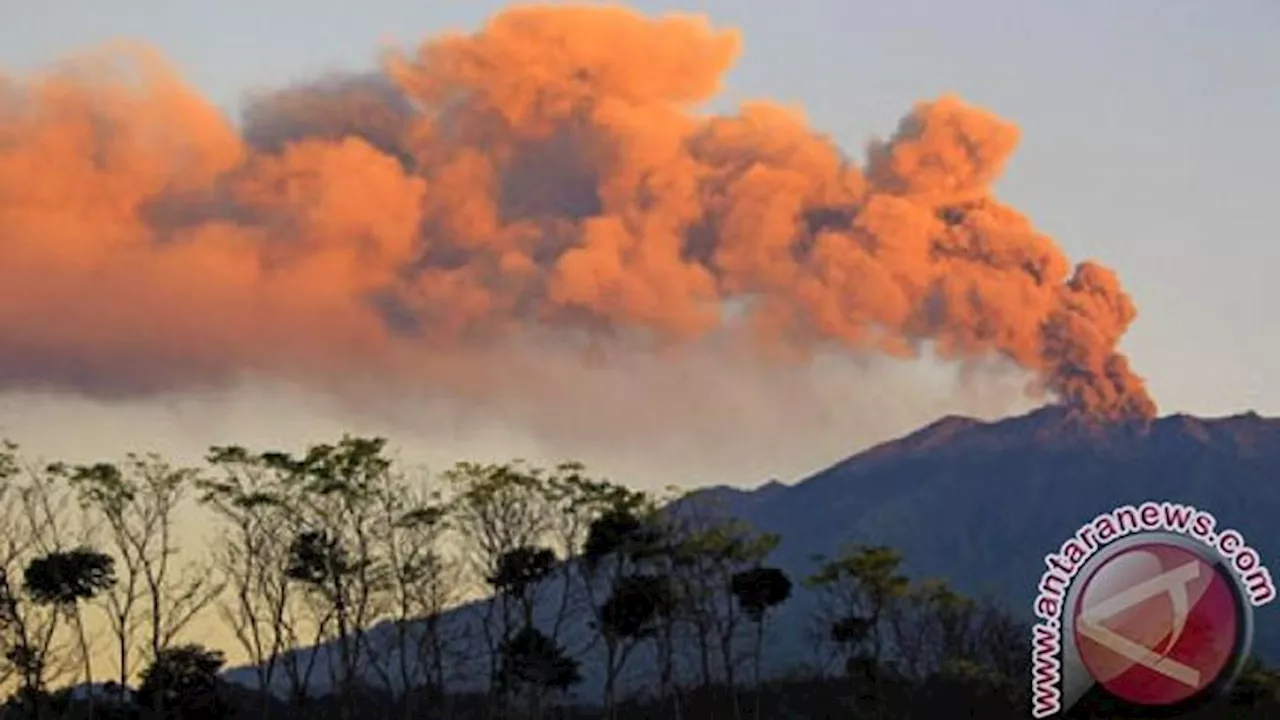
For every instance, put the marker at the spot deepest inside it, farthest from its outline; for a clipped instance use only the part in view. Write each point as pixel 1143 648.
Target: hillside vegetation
pixel 338 547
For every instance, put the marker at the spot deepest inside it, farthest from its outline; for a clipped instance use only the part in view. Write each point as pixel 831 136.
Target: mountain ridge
pixel 1054 428
pixel 979 503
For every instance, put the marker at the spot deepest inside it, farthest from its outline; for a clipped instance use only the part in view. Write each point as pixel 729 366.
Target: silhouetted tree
pixel 334 493
pixel 35 525
pixel 858 591
pixel 930 626
pixel 614 534
pixel 636 602
pixel 708 550
pixel 320 563
pixel 576 501
pixel 533 661
pixel 368 543
pixel 265 492
pixel 421 585
pixel 155 598
pixel 182 684
pixel 498 509
pixel 759 590
pixel 617 542
pixel 65 579
pixel 26 649
pixel 250 502
pixel 518 574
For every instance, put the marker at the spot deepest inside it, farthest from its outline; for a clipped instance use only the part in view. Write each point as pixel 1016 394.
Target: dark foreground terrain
pixel 960 692
pixel 895 584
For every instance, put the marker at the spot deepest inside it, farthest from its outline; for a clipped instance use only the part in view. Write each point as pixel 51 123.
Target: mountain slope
pixel 980 504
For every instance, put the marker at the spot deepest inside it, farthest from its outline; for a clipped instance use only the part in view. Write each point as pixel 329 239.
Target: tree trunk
pixel 610 677
pixel 730 676
pixel 83 638
pixel 666 660
pixel 759 650
pixel 704 657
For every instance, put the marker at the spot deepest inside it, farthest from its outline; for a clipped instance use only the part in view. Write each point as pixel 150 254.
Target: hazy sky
pixel 1150 143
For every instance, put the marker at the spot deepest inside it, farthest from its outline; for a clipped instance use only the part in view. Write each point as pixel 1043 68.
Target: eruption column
pixel 548 175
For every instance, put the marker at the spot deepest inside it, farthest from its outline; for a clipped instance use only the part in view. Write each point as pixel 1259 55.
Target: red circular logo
pixel 1156 624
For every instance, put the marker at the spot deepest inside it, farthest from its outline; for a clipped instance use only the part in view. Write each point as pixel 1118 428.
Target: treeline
pixel 606 602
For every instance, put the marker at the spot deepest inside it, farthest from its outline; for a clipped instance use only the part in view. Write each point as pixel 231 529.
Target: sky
pixel 1148 143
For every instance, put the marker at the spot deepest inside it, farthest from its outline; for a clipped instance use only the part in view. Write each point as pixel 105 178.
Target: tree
pixel 517 521
pixel 708 548
pixel 619 533
pixel 859 589
pixel 929 627
pixel 529 655
pixel 518 574
pixel 64 580
pixel 576 502
pixel 620 538
pixel 182 683
pixel 338 532
pixel 497 509
pixel 636 602
pixel 634 611
pixel 250 500
pixel 412 521
pixel 532 660
pixel 40 582
pixel 137 502
pixel 334 554
pixel 758 590
pixel 26 646
pixel 319 562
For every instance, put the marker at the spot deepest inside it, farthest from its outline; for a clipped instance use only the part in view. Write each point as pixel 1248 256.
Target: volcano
pixel 980 504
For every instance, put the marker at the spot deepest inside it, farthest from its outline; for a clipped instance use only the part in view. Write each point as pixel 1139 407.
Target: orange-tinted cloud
pixel 550 173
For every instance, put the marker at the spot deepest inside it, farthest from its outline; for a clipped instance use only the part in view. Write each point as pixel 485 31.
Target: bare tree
pixel 658 559
pixel 27 629
pixel 497 509
pixel 28 635
pixel 138 504
pixel 13 551
pixel 423 583
pixel 576 501
pixel 250 502
pixel 334 514
pixel 259 499
pixel 859 592
pixel 932 629
pixel 47 571
pixel 68 573
pixel 712 551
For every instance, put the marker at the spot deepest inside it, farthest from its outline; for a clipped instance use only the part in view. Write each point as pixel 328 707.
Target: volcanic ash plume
pixel 545 181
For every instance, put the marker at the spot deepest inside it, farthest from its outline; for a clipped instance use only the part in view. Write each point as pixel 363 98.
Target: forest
pixel 112 605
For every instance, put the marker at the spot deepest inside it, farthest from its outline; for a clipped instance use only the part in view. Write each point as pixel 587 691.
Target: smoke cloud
pixel 549 181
